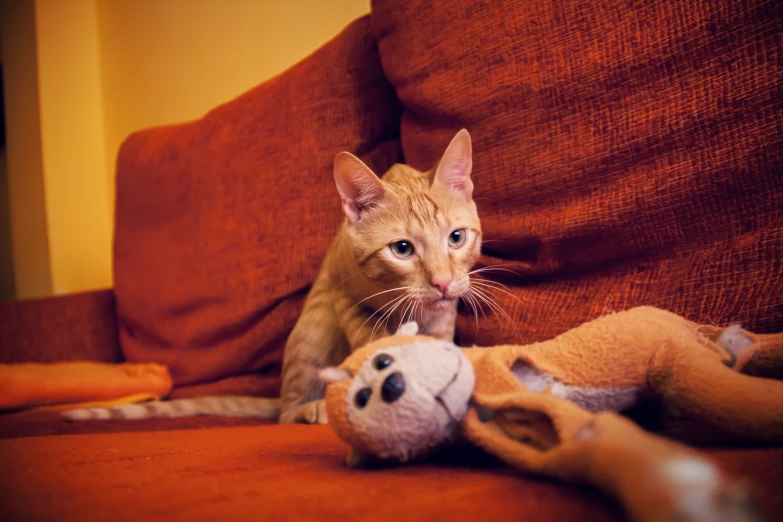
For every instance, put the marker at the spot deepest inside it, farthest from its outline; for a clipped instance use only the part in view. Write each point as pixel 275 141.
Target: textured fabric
pixel 650 352
pixel 625 153
pixel 289 473
pixel 222 223
pixel 64 328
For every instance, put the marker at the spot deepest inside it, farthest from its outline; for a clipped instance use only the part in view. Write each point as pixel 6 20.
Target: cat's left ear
pixel 453 172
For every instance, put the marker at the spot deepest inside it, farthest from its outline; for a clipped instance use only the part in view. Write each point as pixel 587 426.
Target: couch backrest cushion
pixel 625 153
pixel 221 223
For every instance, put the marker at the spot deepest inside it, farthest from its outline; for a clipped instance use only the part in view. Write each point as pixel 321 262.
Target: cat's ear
pixel 358 186
pixel 453 172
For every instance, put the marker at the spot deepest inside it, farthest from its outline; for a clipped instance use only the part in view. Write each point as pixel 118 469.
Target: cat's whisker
pixel 475 303
pixel 353 341
pixel 469 301
pixel 496 286
pixel 373 295
pixel 491 282
pixel 349 277
pixel 481 299
pixel 384 319
pixel 494 305
pixel 408 308
pixel 399 305
pixel 496 268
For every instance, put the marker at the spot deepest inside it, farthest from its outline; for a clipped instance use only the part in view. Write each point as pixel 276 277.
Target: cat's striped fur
pixel 224 405
pixel 366 288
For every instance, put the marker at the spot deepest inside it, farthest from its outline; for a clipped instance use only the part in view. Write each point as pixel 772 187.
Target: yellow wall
pixel 26 201
pixel 166 61
pixel 109 67
pixel 72 140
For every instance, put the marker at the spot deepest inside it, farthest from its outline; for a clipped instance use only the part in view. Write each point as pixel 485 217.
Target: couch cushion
pixel 625 153
pixel 292 473
pixel 222 223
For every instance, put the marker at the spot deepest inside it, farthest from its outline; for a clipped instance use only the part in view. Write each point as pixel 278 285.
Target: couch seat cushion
pixel 291 473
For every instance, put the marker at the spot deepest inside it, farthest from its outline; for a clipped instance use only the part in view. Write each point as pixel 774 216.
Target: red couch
pixel 626 153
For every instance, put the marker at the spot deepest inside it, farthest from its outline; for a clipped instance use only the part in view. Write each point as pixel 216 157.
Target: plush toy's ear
pixel 409 328
pixel 333 374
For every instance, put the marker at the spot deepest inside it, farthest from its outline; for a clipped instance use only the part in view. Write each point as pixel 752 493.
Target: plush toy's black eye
pixel 362 397
pixel 382 361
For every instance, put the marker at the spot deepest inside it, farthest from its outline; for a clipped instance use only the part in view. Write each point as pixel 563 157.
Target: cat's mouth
pixel 440 303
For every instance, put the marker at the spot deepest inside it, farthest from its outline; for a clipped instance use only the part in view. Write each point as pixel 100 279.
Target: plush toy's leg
pixel 697 384
pixel 656 480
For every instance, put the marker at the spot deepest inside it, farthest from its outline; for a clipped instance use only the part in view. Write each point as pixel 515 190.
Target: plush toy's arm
pixel 735 406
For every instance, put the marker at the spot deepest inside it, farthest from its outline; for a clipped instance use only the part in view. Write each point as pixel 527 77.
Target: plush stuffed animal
pixel 550 408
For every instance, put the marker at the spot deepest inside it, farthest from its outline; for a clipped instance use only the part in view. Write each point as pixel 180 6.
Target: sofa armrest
pixel 64 328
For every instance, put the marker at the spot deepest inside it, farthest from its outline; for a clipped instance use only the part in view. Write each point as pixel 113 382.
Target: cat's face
pixel 415 231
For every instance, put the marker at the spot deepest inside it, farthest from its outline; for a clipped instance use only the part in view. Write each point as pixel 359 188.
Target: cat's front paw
pixel 309 413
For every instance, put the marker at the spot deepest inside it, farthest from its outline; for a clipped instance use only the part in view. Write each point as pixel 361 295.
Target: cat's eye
pixel 401 249
pixel 457 238
pixel 362 397
pixel 382 361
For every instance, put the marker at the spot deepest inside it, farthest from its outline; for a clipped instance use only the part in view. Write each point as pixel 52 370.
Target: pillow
pixel 221 223
pixel 625 153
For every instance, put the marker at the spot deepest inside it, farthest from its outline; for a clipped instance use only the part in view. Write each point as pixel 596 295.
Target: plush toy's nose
pixel 393 387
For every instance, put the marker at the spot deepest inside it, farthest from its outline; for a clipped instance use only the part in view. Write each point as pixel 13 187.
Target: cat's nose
pixel 393 387
pixel 442 282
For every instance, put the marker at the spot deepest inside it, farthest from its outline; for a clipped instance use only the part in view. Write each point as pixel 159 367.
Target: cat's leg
pixel 315 343
pixel 301 388
pixel 313 412
pixel 360 325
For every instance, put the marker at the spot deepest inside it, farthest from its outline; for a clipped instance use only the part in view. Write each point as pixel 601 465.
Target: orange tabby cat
pixel 403 254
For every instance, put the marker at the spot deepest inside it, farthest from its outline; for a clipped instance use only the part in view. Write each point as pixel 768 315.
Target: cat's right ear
pixel 358 186
pixel 452 174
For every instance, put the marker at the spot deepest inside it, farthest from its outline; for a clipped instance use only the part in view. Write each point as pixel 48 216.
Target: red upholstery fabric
pixel 222 223
pixel 292 473
pixel 625 153
pixel 64 328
